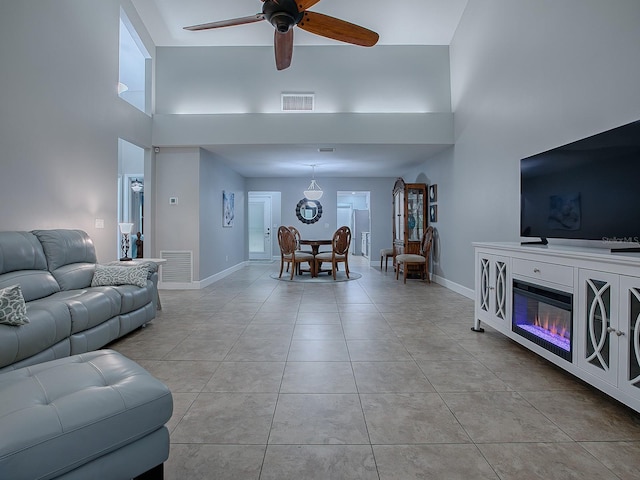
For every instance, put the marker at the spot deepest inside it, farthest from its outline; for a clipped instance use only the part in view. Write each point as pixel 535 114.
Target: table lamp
pixel 125 230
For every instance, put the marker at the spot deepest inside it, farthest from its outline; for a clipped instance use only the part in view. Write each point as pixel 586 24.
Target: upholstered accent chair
pixel 339 252
pixel 289 253
pixel 422 260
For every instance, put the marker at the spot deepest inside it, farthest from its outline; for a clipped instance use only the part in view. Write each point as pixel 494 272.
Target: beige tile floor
pixel 368 379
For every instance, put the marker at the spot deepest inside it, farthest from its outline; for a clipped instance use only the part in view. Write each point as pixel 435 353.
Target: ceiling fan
pixel 285 14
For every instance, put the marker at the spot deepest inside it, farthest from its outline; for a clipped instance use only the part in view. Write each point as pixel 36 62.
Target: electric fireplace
pixel 544 316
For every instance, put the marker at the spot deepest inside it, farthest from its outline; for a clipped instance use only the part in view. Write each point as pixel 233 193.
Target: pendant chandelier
pixel 136 185
pixel 314 192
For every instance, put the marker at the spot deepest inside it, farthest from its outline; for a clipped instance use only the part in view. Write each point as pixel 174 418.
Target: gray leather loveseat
pixel 67 316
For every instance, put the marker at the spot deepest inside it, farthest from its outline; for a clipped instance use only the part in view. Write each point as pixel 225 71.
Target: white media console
pixel 603 292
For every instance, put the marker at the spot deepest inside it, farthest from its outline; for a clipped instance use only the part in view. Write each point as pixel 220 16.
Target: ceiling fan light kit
pixel 286 14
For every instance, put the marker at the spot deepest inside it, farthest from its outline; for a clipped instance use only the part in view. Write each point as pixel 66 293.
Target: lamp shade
pixel 125 228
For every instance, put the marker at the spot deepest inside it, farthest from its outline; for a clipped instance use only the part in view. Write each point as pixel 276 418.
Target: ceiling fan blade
pixel 305 4
pixel 226 23
pixel 283 45
pixel 337 29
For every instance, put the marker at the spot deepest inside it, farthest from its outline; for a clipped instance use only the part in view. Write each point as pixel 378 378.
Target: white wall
pixel 526 76
pixel 131 159
pixel 211 96
pixel 60 116
pixel 344 78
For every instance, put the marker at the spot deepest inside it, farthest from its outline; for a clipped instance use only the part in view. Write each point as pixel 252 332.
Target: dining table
pixel 315 248
pixel 315 244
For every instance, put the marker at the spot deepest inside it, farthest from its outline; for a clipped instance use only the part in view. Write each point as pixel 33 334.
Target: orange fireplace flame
pixel 552 324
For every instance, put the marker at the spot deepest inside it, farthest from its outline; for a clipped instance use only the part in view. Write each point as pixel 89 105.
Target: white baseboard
pixel 202 283
pixel 464 291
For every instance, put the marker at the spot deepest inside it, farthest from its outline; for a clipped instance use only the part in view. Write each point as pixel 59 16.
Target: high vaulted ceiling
pixel 400 22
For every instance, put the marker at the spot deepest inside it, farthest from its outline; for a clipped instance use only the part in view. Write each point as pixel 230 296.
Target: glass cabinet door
pixel 415 214
pixel 399 216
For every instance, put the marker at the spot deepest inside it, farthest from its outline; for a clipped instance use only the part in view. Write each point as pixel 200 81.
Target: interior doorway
pixel 353 211
pixel 131 194
pixel 260 221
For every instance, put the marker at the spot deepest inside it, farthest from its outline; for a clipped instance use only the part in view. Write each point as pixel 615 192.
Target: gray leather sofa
pixel 66 315
pixel 67 411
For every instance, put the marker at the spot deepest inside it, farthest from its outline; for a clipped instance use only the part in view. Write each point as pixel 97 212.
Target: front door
pixel 260 226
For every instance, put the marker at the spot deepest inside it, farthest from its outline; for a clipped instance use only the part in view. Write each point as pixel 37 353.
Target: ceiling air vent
pixel 297 102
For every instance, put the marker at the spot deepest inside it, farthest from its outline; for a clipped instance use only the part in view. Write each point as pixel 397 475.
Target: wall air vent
pixel 179 266
pixel 297 102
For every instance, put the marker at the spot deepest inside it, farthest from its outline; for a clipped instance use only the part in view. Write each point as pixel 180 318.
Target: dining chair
pixel 339 252
pixel 296 234
pixel 386 254
pixel 289 253
pixel 422 260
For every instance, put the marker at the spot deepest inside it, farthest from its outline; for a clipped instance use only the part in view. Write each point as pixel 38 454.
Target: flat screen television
pixel 587 190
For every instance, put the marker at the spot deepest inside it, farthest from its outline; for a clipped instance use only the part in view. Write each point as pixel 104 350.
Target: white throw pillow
pixel 107 275
pixel 13 310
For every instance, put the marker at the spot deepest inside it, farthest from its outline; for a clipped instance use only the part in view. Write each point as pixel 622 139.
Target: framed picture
pixel 433 193
pixel 433 213
pixel 228 209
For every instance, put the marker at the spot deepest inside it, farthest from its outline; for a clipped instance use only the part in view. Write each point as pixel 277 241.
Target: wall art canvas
pixel 433 213
pixel 228 209
pixel 433 193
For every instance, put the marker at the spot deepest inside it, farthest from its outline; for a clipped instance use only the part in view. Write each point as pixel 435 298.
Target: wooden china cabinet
pixel 409 216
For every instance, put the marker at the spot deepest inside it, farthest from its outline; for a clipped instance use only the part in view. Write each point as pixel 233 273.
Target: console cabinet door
pixel 493 290
pixel 597 324
pixel 629 336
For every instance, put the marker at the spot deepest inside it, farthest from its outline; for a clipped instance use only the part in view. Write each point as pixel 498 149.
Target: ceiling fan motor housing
pixel 282 14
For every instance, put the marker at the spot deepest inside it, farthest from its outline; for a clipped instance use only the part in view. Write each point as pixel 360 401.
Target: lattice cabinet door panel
pixel 598 342
pixel 492 290
pixel 629 335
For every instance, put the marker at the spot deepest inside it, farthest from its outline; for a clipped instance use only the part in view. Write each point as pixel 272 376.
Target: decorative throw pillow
pixel 13 310
pixel 108 275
